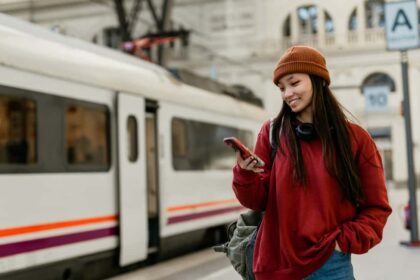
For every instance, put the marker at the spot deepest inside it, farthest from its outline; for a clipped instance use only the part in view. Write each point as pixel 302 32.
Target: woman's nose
pixel 288 92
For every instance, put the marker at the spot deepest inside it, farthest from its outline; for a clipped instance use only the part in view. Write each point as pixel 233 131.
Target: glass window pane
pixel 86 135
pixel 308 20
pixel 132 137
pixel 179 138
pixel 353 21
pixel 199 145
pixel 379 79
pixel 375 13
pixel 329 24
pixel 17 130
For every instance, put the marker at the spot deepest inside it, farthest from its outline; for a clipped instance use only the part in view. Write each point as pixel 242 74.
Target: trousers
pixel 337 267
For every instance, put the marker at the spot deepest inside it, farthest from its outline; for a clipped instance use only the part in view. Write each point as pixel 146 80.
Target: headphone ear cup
pixel 305 131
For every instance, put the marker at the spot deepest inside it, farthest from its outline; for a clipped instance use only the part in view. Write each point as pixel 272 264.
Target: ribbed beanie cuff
pixel 301 59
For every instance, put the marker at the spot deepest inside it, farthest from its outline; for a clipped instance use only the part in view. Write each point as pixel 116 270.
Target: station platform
pixel 387 261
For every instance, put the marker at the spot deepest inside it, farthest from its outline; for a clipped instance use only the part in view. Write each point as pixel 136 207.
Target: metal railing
pixel 373 38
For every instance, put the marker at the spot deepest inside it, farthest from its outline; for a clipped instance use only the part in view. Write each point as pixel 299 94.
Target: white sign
pixel 401 24
pixel 376 98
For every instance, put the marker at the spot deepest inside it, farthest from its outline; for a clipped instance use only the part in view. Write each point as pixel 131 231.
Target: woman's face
pixel 296 91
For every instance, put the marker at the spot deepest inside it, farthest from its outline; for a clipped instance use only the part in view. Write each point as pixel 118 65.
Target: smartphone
pixel 236 144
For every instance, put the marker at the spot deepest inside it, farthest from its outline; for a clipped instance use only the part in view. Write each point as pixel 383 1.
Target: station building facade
pixel 238 42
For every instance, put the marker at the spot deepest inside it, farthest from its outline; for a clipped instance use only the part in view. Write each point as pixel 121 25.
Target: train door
pixel 132 179
pixel 152 175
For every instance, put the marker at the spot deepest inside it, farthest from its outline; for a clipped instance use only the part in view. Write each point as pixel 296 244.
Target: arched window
pixel 329 24
pixel 353 21
pixel 379 79
pixel 308 21
pixel 375 13
pixel 286 27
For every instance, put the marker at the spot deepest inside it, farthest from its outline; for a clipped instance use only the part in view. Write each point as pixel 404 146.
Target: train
pixel 106 161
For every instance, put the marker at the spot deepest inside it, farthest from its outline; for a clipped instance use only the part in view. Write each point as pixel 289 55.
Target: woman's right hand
pixel 248 164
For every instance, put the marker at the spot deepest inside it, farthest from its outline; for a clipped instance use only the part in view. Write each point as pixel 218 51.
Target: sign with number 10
pixel 376 98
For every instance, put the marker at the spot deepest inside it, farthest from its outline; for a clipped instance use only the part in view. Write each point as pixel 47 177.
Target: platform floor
pixel 387 261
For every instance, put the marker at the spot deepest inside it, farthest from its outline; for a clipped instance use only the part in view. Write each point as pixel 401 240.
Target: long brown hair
pixel 332 128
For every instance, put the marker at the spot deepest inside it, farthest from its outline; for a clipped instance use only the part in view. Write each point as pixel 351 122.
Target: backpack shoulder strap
pixel 272 142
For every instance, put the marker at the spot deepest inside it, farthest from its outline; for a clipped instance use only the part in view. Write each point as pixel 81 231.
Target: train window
pixel 17 130
pixel 179 138
pixel 199 145
pixel 86 132
pixel 132 138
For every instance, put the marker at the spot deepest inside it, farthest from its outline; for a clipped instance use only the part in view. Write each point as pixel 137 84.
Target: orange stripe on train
pixel 56 225
pixel 201 205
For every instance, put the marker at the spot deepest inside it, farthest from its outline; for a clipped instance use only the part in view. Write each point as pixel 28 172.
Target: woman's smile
pixel 294 102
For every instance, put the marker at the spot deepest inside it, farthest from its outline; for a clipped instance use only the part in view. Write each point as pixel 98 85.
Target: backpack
pixel 242 233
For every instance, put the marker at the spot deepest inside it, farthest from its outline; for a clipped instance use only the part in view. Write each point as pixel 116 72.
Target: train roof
pixel 35 49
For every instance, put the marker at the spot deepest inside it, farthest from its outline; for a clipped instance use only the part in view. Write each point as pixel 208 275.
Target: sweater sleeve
pixel 251 188
pixel 365 230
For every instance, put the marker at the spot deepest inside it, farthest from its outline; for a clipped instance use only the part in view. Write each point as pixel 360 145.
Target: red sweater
pixel 301 225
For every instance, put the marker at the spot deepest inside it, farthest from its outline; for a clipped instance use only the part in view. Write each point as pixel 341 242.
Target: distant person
pixel 324 194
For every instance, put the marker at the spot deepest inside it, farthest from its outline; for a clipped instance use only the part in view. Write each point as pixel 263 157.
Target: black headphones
pixel 305 131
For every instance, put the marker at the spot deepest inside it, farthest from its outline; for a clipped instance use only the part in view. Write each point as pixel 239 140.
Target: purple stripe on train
pixel 48 242
pixel 187 217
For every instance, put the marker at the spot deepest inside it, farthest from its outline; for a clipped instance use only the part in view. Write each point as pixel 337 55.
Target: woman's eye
pixel 295 83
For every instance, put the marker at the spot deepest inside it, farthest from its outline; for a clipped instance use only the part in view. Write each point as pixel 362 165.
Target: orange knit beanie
pixel 301 59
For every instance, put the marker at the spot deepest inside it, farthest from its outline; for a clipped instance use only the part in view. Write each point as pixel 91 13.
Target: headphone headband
pixel 305 131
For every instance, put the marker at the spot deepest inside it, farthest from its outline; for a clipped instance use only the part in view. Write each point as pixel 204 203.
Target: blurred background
pixel 227 47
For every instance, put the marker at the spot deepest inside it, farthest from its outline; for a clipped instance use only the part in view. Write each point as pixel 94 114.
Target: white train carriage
pixel 105 159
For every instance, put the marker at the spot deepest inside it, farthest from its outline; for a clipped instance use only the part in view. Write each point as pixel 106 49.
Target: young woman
pixel 324 194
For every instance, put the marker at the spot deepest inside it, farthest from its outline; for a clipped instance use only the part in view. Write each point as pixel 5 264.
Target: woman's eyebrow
pixel 287 79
